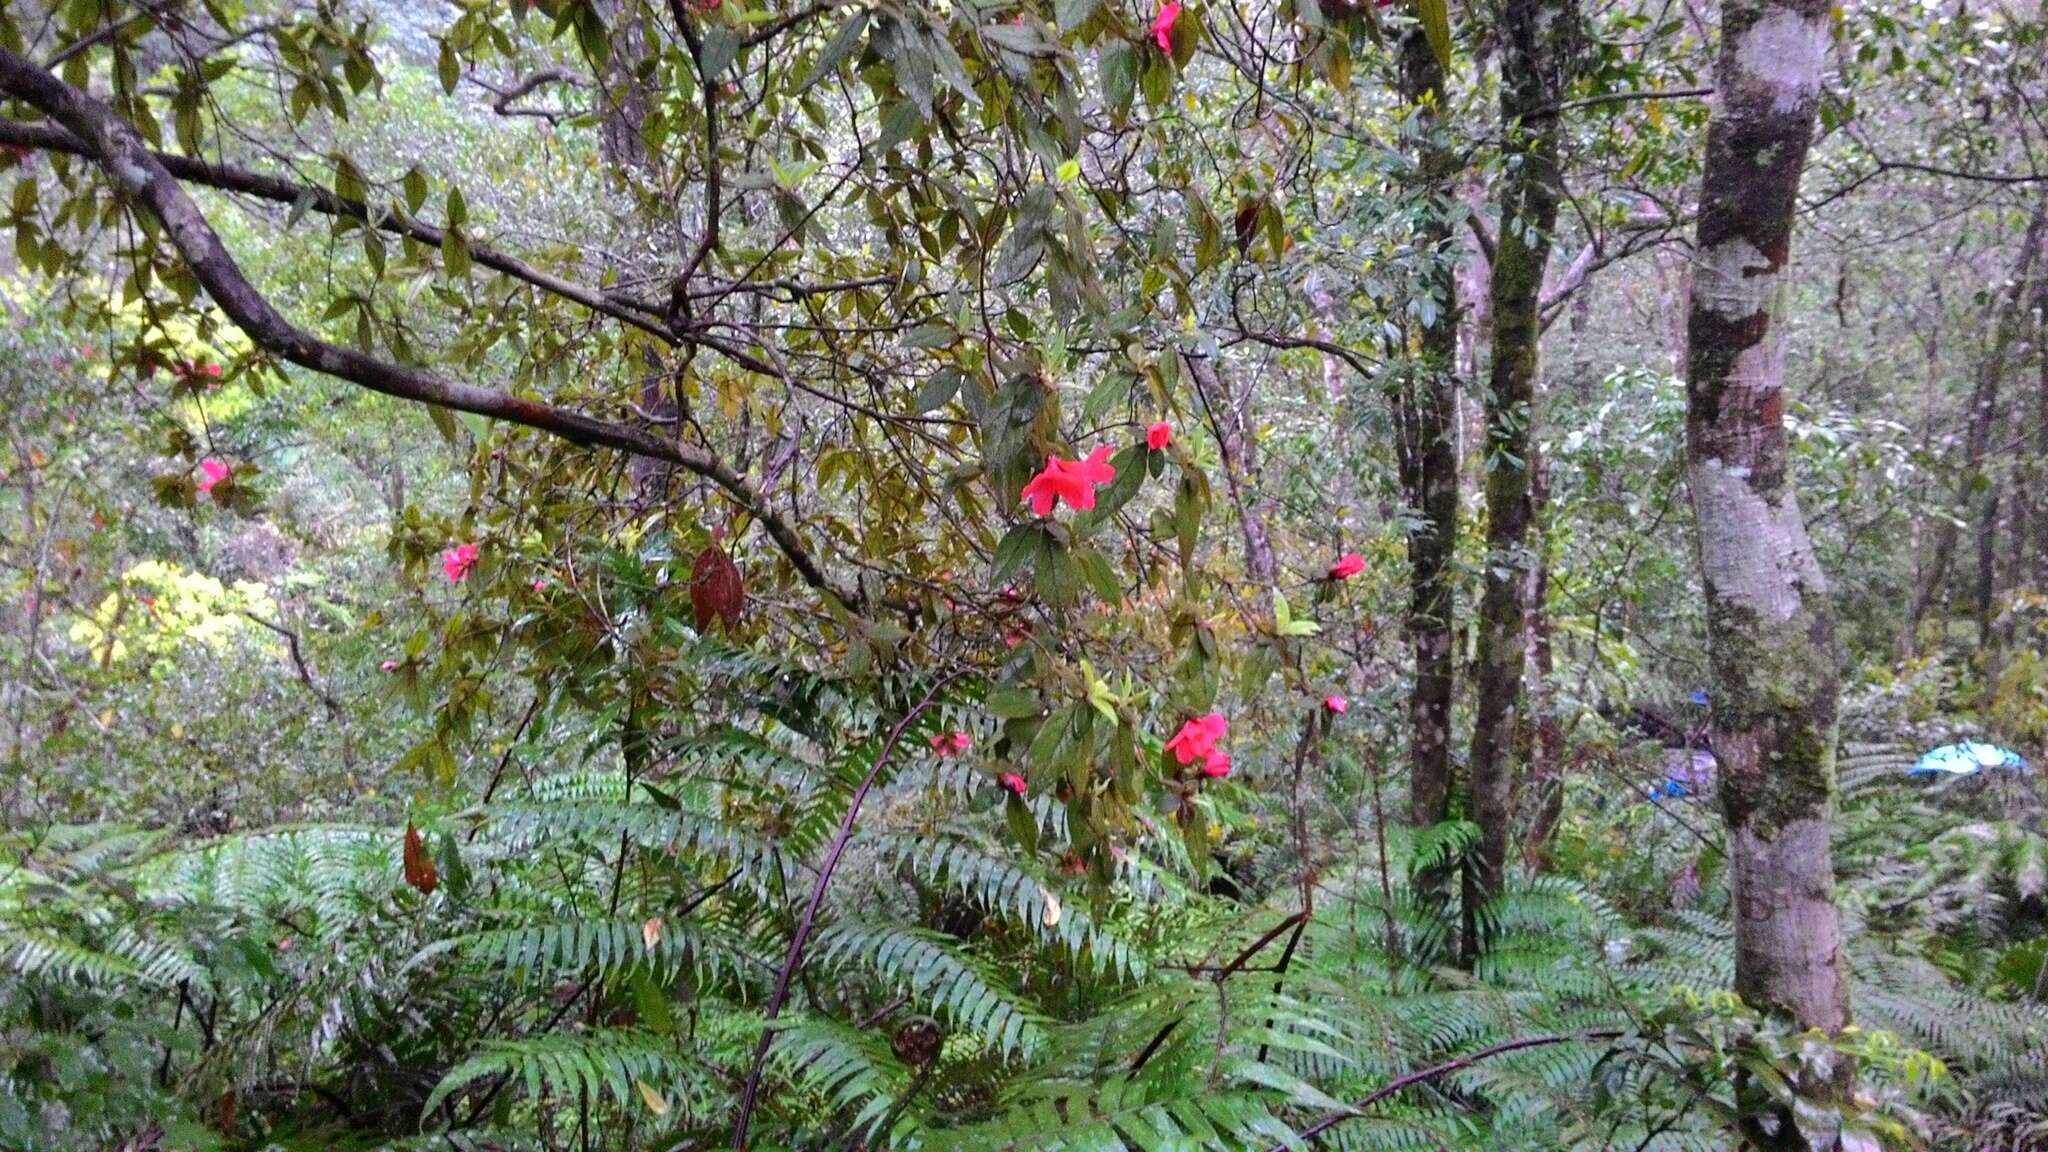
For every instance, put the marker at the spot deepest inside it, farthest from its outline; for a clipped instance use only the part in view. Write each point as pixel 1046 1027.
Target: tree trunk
pixel 1992 507
pixel 1543 789
pixel 2036 574
pixel 2006 329
pixel 1537 46
pixel 1769 621
pixel 1229 412
pixel 1424 403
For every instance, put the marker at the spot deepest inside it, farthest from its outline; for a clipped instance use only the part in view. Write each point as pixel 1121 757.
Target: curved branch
pixel 138 172
pixel 1400 1084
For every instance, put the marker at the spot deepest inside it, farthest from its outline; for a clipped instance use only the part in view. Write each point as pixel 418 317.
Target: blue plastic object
pixel 1968 758
pixel 1699 698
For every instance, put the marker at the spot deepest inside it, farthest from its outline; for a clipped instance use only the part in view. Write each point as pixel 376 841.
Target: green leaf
pixel 1023 827
pixel 455 253
pixel 414 184
pixel 836 51
pixel 1117 64
pixel 448 69
pixel 938 391
pixel 1017 548
pixel 1014 703
pixel 1435 16
pixel 1071 14
pixel 721 48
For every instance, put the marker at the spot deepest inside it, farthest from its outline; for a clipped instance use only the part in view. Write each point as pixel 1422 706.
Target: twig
pixel 795 955
pixel 291 643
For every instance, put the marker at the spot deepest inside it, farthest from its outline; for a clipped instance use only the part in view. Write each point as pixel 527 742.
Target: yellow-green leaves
pixel 1284 623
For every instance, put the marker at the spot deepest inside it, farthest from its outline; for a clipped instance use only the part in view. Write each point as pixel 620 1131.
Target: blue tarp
pixel 1968 758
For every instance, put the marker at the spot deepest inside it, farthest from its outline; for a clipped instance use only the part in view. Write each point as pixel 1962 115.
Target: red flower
pixel 1162 26
pixel 1197 739
pixel 1071 864
pixel 540 585
pixel 1335 704
pixel 212 369
pixel 1012 783
pixel 1216 765
pixel 1073 481
pixel 1159 436
pixel 951 743
pixel 1348 565
pixel 211 473
pixel 457 561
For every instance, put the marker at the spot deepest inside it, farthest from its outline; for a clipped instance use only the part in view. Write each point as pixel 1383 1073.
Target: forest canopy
pixel 1024 574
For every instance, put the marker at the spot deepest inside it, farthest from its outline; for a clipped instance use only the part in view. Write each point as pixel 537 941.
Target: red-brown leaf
pixel 716 590
pixel 419 867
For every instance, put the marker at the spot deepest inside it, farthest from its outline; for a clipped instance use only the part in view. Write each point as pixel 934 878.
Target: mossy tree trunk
pixel 1424 403
pixel 1770 624
pixel 1537 40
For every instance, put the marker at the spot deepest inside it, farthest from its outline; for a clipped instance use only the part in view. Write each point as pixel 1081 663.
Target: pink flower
pixel 1197 739
pixel 951 743
pixel 1348 565
pixel 1012 783
pixel 1073 481
pixel 212 369
pixel 540 585
pixel 1159 436
pixel 1336 704
pixel 1216 765
pixel 211 473
pixel 1162 26
pixel 457 561
pixel 388 666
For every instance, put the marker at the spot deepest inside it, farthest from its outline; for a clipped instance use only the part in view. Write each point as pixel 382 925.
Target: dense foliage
pixel 729 573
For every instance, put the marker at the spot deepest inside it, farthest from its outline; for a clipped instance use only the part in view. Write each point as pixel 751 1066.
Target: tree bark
pixel 1769 621
pixel 1424 405
pixel 1537 48
pixel 2006 329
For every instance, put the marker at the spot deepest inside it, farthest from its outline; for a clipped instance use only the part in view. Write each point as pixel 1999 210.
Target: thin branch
pixel 291 643
pixel 794 957
pixel 1401 1084
pixel 507 94
pixel 770 31
pixel 1632 97
pixel 240 180
pixel 88 42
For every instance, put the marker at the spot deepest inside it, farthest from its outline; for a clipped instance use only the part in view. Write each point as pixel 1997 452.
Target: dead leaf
pixel 651 932
pixel 1051 918
pixel 716 589
pixel 419 867
pixel 649 1096
pixel 1246 223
